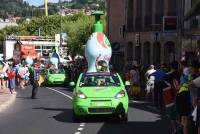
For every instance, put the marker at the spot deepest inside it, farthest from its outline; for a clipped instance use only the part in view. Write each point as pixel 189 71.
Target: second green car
pixel 55 77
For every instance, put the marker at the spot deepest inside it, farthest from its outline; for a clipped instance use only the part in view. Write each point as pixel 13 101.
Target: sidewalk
pixel 6 99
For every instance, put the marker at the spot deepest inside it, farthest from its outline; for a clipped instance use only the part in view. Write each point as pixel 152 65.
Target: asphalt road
pixel 51 113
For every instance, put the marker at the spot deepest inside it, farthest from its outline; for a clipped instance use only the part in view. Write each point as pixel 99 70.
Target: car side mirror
pixel 127 83
pixel 72 84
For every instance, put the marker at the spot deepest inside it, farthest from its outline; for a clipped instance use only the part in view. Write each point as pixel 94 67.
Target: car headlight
pixel 80 95
pixel 121 94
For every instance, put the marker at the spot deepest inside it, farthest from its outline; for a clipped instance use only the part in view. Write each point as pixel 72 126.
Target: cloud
pixel 53 1
pixel 41 2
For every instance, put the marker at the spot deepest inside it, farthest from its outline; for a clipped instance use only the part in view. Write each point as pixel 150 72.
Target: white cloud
pixel 53 1
pixel 56 1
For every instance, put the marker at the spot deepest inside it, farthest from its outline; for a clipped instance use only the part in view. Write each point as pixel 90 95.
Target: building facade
pixel 191 31
pixel 40 45
pixel 136 32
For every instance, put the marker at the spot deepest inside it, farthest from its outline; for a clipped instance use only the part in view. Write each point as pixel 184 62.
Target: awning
pixel 195 10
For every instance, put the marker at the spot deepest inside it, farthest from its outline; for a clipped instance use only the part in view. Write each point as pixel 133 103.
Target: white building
pixel 41 44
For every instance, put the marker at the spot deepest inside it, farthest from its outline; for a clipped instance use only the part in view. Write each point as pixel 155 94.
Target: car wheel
pixel 123 117
pixel 77 118
pixel 48 85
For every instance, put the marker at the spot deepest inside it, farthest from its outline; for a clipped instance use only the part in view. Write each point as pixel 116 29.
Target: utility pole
pixel 60 22
pixel 180 27
pixel 46 7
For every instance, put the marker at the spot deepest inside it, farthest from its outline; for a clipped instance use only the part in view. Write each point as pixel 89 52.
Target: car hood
pixel 100 92
pixel 54 76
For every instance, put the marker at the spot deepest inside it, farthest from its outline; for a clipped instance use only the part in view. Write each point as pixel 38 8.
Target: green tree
pixel 78 28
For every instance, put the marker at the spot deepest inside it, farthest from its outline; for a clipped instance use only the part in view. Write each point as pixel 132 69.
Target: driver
pixel 101 65
pixel 101 82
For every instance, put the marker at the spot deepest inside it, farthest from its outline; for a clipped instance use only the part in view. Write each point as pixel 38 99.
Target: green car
pixel 55 76
pixel 100 93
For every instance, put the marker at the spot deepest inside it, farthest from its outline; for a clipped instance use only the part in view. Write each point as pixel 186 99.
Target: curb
pixel 8 103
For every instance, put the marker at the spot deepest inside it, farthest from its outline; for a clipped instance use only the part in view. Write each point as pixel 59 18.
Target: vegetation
pixel 20 8
pixel 78 28
pixel 17 8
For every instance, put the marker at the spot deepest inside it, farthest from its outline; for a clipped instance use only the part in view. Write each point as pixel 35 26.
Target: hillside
pixel 16 8
pixel 20 8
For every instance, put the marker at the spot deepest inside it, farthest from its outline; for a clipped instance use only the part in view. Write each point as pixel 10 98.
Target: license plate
pixel 100 104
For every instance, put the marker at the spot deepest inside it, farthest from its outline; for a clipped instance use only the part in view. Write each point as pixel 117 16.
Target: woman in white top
pixel 3 76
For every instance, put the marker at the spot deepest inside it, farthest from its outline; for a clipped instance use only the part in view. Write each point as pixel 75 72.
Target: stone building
pixel 191 33
pixel 136 32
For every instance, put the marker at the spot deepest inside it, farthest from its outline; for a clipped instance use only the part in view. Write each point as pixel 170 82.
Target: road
pixel 51 113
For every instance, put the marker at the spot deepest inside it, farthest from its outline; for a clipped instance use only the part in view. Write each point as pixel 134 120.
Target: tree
pixel 78 28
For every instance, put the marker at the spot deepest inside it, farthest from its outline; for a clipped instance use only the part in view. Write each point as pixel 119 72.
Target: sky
pixel 39 2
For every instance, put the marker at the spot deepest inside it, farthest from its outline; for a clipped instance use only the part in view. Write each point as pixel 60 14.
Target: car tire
pixel 48 85
pixel 124 117
pixel 77 118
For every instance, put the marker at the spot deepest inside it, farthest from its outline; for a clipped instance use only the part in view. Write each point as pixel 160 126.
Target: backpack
pixel 11 74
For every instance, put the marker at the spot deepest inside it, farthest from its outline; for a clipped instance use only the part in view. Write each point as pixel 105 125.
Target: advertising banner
pixel 170 23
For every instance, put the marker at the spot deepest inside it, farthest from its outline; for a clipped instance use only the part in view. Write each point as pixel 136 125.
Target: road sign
pixel 170 23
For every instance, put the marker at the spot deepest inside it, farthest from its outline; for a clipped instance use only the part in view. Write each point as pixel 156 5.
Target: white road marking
pixel 60 93
pixel 80 129
pixel 140 102
pixel 82 124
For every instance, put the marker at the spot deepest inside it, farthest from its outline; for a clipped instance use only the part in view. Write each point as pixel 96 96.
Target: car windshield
pixel 98 80
pixel 56 71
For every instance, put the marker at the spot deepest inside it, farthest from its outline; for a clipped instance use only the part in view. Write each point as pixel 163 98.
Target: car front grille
pixel 57 82
pixel 101 110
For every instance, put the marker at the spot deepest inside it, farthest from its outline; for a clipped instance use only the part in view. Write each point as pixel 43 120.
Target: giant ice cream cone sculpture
pixel 29 60
pixel 54 60
pixel 98 46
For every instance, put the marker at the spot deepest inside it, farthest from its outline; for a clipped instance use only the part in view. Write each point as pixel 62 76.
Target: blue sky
pixel 39 2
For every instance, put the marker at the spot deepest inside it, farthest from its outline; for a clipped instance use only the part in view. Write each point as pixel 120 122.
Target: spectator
pixel 150 81
pixel 135 81
pixel 183 97
pixel 2 76
pixel 11 72
pixel 34 78
pixel 173 79
pixel 150 71
pixel 195 84
pixel 158 86
pixel 194 74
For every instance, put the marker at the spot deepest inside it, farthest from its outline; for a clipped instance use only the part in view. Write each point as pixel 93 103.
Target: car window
pixel 99 80
pixel 56 71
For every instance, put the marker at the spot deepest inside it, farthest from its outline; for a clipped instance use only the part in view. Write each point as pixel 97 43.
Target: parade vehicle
pixel 99 93
pixel 55 77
